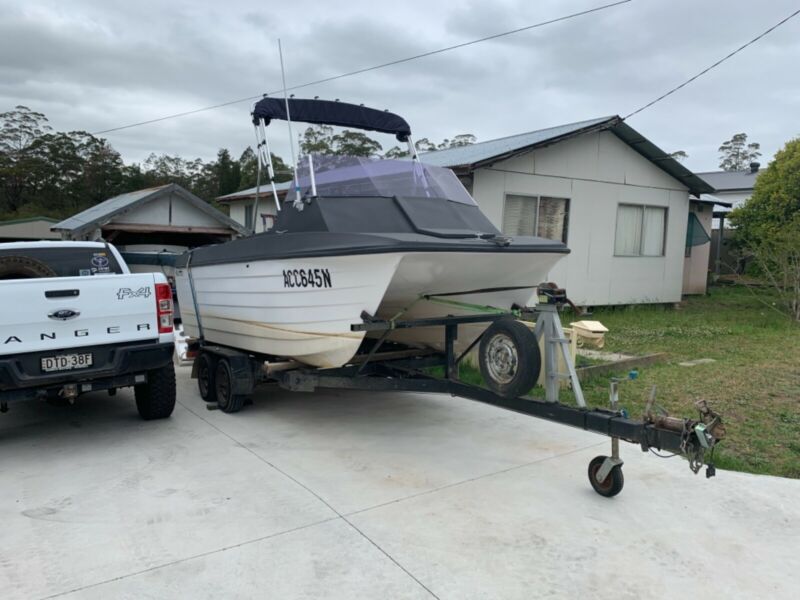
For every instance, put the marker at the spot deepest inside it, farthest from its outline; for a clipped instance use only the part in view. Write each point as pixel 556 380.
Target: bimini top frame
pixel 319 112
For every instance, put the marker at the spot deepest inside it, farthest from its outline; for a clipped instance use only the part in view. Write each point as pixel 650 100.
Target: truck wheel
pixel 227 401
pixel 205 377
pixel 23 267
pixel 509 358
pixel 156 398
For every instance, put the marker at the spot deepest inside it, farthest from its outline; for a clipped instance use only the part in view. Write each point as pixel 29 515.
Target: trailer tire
pixel 613 483
pixel 227 401
pixel 23 267
pixel 509 358
pixel 156 398
pixel 206 365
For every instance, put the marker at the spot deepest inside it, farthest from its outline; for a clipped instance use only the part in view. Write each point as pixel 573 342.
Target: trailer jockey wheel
pixel 205 377
pixel 509 358
pixel 223 384
pixel 613 482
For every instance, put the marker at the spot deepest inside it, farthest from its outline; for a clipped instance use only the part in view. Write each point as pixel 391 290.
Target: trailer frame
pixel 401 368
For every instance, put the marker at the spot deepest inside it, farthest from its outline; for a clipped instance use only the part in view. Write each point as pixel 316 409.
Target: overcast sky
pixel 93 64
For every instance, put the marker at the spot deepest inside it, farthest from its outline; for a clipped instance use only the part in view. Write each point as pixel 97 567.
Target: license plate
pixel 66 362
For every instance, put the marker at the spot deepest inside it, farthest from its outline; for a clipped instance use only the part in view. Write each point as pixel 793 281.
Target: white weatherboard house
pixel 619 202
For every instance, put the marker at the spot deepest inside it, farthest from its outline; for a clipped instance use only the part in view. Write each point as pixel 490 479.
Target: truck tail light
pixel 164 307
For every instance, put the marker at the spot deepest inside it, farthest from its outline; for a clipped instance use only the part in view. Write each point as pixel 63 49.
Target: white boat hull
pixel 252 306
pixel 502 279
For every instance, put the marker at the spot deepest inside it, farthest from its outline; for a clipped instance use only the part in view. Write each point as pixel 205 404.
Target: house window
pixel 541 216
pixel 640 230
pixel 248 216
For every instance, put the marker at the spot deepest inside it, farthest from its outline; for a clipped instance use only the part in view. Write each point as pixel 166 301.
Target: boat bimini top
pixel 365 205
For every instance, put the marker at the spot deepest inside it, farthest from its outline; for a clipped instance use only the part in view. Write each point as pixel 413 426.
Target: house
pixel 30 229
pixel 148 223
pixel 619 202
pixel 242 206
pixel 733 188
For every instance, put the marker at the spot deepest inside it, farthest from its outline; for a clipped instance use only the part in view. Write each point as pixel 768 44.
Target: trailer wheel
pixel 509 358
pixel 223 385
pixel 156 398
pixel 205 377
pixel 612 484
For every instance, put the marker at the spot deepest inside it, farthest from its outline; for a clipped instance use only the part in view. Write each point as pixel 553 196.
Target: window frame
pixel 538 198
pixel 249 215
pixel 644 208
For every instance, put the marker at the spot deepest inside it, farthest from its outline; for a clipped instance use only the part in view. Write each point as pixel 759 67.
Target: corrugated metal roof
pixel 729 181
pixel 250 192
pixel 475 154
pixel 99 214
pixel 485 153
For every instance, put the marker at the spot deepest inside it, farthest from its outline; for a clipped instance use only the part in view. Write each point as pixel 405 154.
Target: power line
pixel 716 64
pixel 367 69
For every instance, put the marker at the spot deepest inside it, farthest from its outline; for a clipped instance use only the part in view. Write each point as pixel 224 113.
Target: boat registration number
pixel 317 278
pixel 66 362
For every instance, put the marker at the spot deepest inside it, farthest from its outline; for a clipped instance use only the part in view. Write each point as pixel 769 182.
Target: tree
pixel 736 154
pixel 462 139
pixel 228 173
pixel 355 143
pixel 20 129
pixel 424 145
pixel 248 166
pixel 768 224
pixel 317 139
pixel 679 155
pixel 775 200
pixel 395 152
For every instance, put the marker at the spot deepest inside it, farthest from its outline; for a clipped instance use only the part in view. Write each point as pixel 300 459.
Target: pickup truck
pixel 74 319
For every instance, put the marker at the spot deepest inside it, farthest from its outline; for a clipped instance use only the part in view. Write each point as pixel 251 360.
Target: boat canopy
pixel 328 112
pixel 358 176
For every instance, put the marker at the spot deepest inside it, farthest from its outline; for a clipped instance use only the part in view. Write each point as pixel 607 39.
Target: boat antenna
pixel 289 122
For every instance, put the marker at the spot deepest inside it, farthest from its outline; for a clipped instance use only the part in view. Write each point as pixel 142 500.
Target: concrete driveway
pixel 358 495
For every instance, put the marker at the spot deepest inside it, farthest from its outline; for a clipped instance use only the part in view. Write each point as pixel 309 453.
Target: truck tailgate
pixel 71 312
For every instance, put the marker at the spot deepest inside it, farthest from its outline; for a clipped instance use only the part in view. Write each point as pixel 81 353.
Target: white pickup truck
pixel 73 319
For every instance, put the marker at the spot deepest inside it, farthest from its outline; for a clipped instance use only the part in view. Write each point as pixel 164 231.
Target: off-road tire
pixel 23 267
pixel 156 398
pixel 515 376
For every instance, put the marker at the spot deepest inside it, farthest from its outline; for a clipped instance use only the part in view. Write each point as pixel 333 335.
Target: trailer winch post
pixel 551 334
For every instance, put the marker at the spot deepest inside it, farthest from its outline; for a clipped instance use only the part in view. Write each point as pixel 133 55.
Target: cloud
pixel 96 65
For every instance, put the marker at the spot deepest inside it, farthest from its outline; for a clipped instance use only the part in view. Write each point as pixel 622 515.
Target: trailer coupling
pixel 697 436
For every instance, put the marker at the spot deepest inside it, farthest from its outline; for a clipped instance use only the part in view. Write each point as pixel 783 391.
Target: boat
pixel 356 238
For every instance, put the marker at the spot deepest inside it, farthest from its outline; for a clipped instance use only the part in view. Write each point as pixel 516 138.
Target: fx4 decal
pixel 142 292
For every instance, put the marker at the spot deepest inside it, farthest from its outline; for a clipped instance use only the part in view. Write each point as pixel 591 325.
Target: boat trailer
pixel 226 376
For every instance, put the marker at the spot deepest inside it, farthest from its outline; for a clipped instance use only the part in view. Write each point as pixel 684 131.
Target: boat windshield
pixel 361 176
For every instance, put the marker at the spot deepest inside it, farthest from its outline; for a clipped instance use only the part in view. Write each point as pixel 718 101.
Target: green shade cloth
pixel 695 234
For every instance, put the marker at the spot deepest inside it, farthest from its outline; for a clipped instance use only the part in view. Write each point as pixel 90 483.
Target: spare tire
pixel 23 267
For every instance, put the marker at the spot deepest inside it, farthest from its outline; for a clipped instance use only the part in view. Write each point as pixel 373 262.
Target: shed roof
pixel 100 214
pixel 731 181
pixel 265 190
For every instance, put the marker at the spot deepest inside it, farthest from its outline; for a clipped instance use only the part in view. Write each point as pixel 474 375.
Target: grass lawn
pixel 754 383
